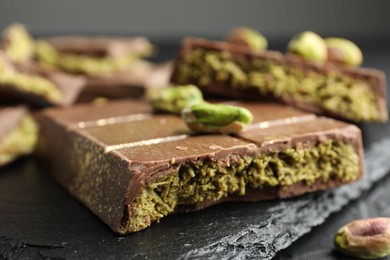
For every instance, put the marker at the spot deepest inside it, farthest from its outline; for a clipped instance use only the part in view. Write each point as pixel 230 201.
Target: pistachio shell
pixel 248 37
pixel 365 238
pixel 344 51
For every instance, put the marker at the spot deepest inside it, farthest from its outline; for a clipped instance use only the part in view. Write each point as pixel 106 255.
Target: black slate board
pixel 38 219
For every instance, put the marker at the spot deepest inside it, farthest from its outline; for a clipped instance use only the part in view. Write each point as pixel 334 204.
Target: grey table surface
pixel 39 220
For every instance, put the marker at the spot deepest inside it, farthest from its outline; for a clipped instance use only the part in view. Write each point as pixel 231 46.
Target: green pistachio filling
pixel 82 63
pixel 194 182
pixel 351 97
pixel 20 45
pixel 20 141
pixel 29 83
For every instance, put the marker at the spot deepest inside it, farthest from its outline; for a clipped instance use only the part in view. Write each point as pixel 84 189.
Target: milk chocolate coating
pixel 131 82
pixel 376 77
pixel 104 155
pixel 99 46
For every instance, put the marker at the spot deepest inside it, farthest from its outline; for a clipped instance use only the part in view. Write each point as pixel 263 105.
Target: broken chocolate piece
pixel 39 86
pixel 228 70
pixel 18 133
pixel 92 55
pixel 132 82
pixel 132 167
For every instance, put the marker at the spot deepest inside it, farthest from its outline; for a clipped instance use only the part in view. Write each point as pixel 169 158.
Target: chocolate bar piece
pixel 228 70
pixel 132 82
pixel 36 85
pixel 92 55
pixel 18 133
pixel 132 167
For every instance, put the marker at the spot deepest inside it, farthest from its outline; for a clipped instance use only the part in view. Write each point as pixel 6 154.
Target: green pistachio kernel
pixel 216 118
pixel 343 51
pixel 19 44
pixel 248 37
pixel 174 99
pixel 365 238
pixel 308 45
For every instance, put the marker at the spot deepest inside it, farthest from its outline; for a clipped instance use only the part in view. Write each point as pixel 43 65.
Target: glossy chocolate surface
pixel 105 154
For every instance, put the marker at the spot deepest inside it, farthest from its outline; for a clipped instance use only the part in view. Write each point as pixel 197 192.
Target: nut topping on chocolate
pixel 308 45
pixel 248 37
pixel 344 51
pixel 216 118
pixel 174 99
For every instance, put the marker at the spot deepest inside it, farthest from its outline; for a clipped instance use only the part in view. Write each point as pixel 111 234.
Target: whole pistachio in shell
pixel 344 51
pixel 365 238
pixel 248 37
pixel 308 45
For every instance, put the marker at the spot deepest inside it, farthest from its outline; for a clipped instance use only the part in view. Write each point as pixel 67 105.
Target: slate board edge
pixel 263 241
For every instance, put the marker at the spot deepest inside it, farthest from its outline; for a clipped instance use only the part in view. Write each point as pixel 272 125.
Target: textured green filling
pixel 20 141
pixel 82 63
pixel 29 83
pixel 20 44
pixel 351 97
pixel 195 182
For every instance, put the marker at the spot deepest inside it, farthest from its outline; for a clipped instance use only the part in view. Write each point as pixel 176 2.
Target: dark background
pixel 170 20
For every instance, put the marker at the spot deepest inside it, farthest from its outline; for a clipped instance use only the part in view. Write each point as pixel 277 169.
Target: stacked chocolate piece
pixel 131 166
pixel 61 71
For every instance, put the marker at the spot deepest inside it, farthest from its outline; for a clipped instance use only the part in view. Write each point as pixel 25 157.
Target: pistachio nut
pixel 343 51
pixel 308 45
pixel 174 99
pixel 248 37
pixel 216 118
pixel 19 44
pixel 365 238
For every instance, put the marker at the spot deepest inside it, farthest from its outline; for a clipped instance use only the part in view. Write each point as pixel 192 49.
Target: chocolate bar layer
pixel 37 85
pixel 229 70
pixel 132 167
pixel 133 81
pixel 92 55
pixel 18 133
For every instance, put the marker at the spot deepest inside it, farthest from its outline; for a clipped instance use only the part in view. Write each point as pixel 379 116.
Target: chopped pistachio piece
pixel 216 118
pixel 19 44
pixel 174 99
pixel 365 238
pixel 248 37
pixel 344 51
pixel 308 45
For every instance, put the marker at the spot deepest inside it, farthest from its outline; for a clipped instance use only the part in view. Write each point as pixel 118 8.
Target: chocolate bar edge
pixel 377 77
